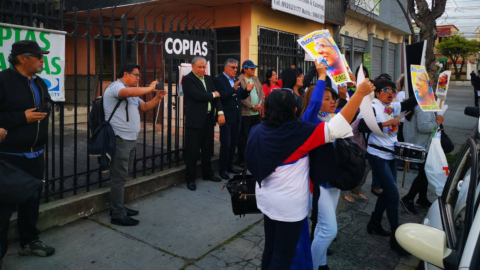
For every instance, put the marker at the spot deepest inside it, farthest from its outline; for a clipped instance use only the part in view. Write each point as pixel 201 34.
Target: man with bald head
pixel 202 108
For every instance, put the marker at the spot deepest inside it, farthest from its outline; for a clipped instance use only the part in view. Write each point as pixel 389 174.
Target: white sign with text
pixel 53 73
pixel 309 9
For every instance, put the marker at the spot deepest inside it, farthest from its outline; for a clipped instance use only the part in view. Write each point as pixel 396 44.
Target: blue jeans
pixel 385 172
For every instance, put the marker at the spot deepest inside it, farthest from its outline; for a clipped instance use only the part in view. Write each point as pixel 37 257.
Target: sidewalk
pixel 181 229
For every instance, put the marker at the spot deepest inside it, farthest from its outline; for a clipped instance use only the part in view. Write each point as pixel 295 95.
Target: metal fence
pixel 98 41
pixel 278 50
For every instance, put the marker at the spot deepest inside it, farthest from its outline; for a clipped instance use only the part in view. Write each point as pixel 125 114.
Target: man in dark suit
pixel 231 94
pixel 202 105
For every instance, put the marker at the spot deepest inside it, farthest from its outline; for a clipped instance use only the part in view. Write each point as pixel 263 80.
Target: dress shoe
pixel 408 205
pixel 130 212
pixel 212 178
pixel 125 221
pixel 424 202
pixel 224 175
pixel 191 186
pixel 234 171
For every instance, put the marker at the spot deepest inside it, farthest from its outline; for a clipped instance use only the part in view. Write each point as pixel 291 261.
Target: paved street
pixel 181 229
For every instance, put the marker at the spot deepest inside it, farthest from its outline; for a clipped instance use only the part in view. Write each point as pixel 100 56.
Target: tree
pixel 458 48
pixel 425 18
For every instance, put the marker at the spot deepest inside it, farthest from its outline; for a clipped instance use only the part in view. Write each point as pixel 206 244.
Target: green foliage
pixel 458 48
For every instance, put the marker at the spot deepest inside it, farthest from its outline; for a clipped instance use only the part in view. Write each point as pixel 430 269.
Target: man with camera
pixel 126 125
pixel 24 108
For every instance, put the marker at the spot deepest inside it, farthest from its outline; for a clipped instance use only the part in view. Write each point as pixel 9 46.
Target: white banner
pixel 49 40
pixel 309 9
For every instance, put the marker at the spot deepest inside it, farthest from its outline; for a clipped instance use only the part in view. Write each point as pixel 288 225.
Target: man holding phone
pixel 24 109
pixel 126 125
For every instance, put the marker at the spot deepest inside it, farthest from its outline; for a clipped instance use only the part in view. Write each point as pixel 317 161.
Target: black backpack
pixel 96 116
pixel 351 160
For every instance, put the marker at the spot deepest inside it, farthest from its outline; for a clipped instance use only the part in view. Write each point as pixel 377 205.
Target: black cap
pixel 26 46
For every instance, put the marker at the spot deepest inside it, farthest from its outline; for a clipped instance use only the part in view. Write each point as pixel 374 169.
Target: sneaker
pixel 38 248
pixel 424 202
pixel 409 206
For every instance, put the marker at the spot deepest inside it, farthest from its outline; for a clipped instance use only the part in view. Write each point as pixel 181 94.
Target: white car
pixel 449 236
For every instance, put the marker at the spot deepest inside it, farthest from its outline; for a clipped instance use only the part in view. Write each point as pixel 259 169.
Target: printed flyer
pixel 422 89
pixel 320 45
pixel 443 82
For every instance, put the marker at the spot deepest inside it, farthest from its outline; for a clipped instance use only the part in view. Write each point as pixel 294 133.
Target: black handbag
pixel 351 160
pixel 447 144
pixel 242 193
pixel 17 186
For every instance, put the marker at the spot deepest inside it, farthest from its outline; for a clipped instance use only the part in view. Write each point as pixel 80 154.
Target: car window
pixel 458 198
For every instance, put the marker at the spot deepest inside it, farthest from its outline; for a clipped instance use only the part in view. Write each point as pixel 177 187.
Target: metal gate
pixel 98 42
pixel 278 50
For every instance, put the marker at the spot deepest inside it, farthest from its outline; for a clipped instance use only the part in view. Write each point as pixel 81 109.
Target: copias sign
pixel 50 40
pixel 176 46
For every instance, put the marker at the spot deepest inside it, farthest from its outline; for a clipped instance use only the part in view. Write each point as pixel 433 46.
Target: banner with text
pixel 422 89
pixel 54 66
pixel 320 45
pixel 309 9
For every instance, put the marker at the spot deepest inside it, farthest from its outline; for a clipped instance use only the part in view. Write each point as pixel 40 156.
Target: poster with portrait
pixel 320 45
pixel 443 82
pixel 422 89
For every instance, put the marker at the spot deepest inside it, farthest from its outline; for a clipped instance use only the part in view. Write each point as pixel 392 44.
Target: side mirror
pixel 426 243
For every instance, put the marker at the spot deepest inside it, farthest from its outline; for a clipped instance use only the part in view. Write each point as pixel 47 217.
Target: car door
pixel 453 211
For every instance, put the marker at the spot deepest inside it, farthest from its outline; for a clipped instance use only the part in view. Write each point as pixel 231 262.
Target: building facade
pixel 378 28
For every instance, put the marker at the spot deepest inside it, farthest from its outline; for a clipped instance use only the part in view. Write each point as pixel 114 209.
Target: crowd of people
pixel 283 131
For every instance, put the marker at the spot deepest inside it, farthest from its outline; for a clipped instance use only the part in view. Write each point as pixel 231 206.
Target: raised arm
pixel 311 113
pixel 136 91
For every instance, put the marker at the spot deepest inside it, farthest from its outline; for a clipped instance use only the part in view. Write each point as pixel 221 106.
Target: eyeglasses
pixel 136 74
pixel 386 90
pixel 38 56
pixel 235 67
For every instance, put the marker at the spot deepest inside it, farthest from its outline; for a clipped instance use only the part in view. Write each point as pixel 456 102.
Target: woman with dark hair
pixel 271 82
pixel 294 79
pixel 276 155
pixel 381 159
pixel 323 168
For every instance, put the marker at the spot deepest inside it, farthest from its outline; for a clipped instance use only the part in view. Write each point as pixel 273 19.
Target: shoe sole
pixel 405 207
pixel 120 224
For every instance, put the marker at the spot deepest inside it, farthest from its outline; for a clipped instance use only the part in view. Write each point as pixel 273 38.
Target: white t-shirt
pixel 383 115
pixel 125 130
pixel 284 195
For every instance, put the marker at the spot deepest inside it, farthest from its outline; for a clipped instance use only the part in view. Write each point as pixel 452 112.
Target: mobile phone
pixel 159 85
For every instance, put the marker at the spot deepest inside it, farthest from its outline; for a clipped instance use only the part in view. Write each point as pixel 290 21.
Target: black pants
pixel 197 140
pixel 419 185
pixel 228 144
pixel 281 239
pixel 27 212
pixel 247 123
